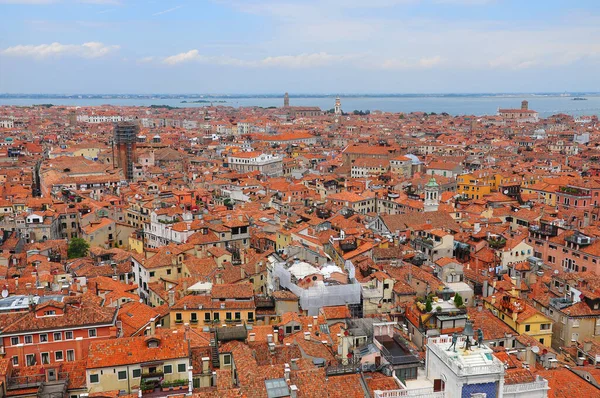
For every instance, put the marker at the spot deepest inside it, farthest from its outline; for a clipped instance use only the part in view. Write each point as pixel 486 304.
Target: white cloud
pixel 303 60
pixel 167 11
pixel 311 60
pixel 146 60
pixel 85 50
pixel 182 57
pixel 420 63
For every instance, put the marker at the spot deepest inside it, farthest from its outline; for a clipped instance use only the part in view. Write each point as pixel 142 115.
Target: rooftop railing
pixel 526 387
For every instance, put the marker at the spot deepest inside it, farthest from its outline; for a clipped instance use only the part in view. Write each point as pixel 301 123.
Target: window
pixel 45 358
pixel 542 341
pixel 527 328
pixel 68 335
pixel 216 316
pixel 15 361
pixel 14 340
pixel 28 339
pixel 207 317
pixel 91 332
pixel 228 316
pixel 94 378
pixel 178 317
pixel 152 274
pixel 546 326
pixel 57 336
pixel 181 368
pixel 30 359
pixel 137 373
pixel 168 272
pixel 238 316
pixel 168 369
pixel 70 355
pixel 122 375
pixel 194 317
pixel 58 355
pixel 250 316
pixel 227 359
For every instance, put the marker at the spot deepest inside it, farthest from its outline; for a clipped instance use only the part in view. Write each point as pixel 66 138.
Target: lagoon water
pixel 478 105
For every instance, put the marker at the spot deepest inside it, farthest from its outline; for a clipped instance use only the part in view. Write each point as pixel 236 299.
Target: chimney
pixel 243 274
pixel 269 338
pixel 276 335
pixel 251 337
pixel 286 372
pixel 306 335
pixel 219 279
pixel 214 379
pixel 587 346
pixel 205 367
pixel 293 391
pixel 152 326
pixel 78 347
pixel 171 298
pixel 493 301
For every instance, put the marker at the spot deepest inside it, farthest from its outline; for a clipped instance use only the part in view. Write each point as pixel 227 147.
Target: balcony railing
pixel 33 381
pixel 148 375
pixel 414 393
pixel 525 387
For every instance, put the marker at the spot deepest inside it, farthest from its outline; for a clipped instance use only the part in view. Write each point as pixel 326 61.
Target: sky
pixel 299 46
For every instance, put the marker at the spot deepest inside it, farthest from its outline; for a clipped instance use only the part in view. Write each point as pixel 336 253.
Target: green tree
pixel 77 248
pixel 458 300
pixel 428 305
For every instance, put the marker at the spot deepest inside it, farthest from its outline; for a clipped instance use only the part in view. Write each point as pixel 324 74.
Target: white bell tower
pixel 432 196
pixel 338 106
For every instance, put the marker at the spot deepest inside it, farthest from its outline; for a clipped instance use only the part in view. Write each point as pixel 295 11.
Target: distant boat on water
pixel 579 99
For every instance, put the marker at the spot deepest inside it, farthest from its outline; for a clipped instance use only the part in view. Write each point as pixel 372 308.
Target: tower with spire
pixel 338 106
pixel 432 196
pixel 286 100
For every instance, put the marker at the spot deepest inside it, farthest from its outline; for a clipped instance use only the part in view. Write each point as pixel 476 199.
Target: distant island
pixel 579 99
pixel 201 102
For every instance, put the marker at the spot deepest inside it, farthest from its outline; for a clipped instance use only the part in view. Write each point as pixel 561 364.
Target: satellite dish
pixel 506 191
pixel 535 349
pixel 4 293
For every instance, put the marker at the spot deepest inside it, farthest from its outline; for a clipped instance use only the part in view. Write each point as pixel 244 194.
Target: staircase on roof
pixel 214 350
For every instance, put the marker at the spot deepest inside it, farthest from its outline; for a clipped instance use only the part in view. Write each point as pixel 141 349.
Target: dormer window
pixel 49 313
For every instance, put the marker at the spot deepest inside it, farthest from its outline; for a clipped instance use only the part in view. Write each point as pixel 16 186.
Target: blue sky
pixel 304 46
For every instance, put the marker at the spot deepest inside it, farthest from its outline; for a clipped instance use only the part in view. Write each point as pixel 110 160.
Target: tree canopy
pixel 77 248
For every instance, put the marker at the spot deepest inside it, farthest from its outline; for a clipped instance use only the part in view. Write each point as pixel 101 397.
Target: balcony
pixel 351 367
pixel 395 351
pixel 34 381
pixel 544 230
pixel 423 242
pixel 579 239
pixel 573 191
pixel 150 375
